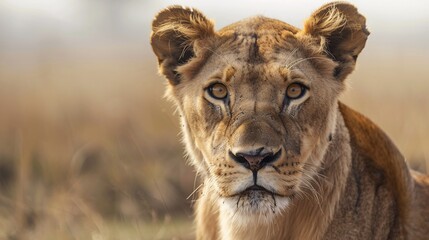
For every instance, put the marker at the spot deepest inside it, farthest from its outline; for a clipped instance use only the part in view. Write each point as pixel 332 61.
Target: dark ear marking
pixel 175 31
pixel 342 33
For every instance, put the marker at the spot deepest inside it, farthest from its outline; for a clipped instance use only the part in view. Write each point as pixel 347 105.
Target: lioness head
pixel 258 98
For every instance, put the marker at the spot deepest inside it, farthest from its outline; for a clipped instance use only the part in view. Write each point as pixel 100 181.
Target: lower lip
pixel 258 190
pixel 265 191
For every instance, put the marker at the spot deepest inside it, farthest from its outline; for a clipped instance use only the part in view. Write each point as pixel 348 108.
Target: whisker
pixel 193 192
pixel 307 180
pixel 291 54
pixel 217 54
pixel 300 60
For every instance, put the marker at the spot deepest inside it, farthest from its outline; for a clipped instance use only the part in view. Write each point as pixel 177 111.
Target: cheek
pixel 202 117
pixel 307 131
pixel 309 142
pixel 207 127
pixel 315 113
pixel 205 116
pixel 209 115
pixel 213 122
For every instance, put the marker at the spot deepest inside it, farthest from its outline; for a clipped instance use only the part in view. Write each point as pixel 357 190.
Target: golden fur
pixel 275 166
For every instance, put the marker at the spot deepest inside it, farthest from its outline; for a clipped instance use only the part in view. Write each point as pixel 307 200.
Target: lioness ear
pixel 174 33
pixel 342 32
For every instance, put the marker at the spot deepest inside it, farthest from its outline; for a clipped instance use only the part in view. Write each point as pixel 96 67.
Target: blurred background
pixel 89 149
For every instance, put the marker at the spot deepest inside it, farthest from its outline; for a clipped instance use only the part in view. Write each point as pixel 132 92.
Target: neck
pixel 314 210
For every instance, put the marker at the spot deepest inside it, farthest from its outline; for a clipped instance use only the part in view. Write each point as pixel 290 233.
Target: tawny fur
pixel 338 176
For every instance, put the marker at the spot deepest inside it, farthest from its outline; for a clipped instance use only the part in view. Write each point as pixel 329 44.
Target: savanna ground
pixel 89 149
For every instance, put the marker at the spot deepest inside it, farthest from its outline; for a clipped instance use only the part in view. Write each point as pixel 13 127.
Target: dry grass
pixel 83 139
pixel 392 89
pixel 90 150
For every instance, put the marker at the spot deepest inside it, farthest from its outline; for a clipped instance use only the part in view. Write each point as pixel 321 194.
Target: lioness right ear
pixel 342 32
pixel 174 33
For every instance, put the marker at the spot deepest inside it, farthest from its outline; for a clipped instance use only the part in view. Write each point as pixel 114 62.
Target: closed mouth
pixel 257 188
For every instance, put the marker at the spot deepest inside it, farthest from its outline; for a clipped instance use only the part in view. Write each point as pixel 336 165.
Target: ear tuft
pixel 183 22
pixel 326 23
pixel 174 33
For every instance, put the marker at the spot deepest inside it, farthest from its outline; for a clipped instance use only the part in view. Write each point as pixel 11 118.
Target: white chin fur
pixel 254 207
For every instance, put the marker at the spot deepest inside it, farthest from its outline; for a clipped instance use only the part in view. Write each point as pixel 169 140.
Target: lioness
pixel 279 156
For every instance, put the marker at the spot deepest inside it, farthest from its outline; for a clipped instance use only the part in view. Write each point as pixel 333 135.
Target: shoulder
pixel 370 143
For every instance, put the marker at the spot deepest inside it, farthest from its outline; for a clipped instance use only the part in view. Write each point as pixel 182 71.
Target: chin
pixel 249 206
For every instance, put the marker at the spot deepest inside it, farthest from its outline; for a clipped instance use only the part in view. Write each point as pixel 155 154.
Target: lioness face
pixel 256 118
pixel 257 102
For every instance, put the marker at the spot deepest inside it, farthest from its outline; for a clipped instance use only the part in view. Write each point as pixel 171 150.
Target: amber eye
pixel 218 91
pixel 295 90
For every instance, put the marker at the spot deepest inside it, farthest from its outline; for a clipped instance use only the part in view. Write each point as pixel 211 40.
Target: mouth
pixel 259 201
pixel 257 189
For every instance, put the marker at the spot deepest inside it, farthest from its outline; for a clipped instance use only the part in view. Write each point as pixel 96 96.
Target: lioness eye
pixel 218 91
pixel 295 90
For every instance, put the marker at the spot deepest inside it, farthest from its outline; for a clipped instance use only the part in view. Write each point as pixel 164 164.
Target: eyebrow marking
pixel 228 73
pixel 284 72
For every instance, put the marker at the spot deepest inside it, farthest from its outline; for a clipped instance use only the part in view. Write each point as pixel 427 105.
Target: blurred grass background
pixel 89 149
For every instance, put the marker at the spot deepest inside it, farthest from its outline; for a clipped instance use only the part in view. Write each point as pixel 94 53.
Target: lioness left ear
pixel 342 32
pixel 175 31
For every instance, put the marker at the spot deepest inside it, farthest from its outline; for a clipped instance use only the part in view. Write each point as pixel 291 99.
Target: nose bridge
pixel 255 136
pixel 253 111
pixel 257 104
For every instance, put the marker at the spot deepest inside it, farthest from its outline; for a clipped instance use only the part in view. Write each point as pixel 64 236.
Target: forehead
pixel 257 45
pixel 257 40
pixel 258 49
pixel 258 56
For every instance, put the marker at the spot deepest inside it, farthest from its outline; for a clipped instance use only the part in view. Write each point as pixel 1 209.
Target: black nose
pixel 254 160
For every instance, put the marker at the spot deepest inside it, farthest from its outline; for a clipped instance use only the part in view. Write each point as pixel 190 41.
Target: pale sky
pixel 395 22
pixel 380 13
pixel 394 18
